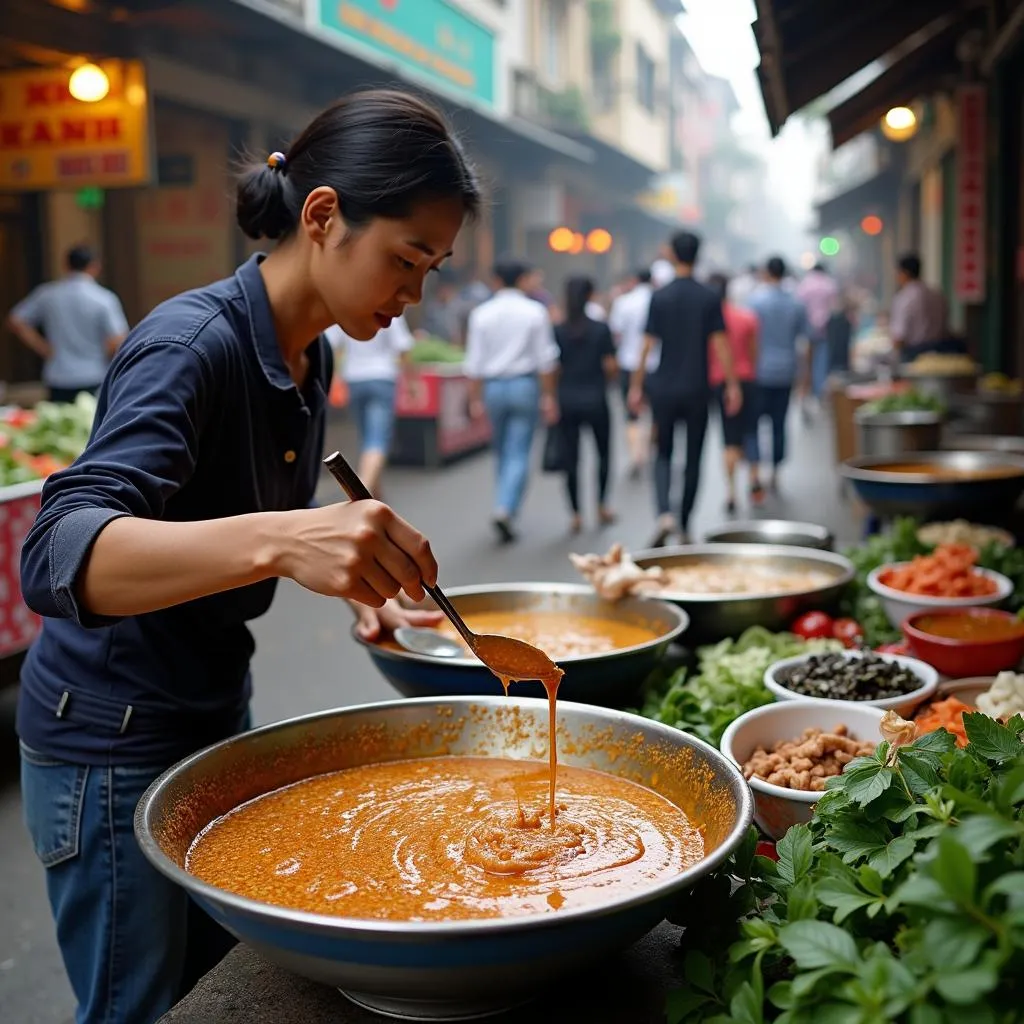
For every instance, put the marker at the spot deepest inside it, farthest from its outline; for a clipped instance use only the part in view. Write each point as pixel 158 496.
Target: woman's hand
pixel 359 550
pixel 549 409
pixel 372 623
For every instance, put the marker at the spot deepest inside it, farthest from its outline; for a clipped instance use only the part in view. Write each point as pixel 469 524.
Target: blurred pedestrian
pixel 511 363
pixel 918 317
pixel 743 286
pixel 441 310
pixel 819 293
pixel 663 269
pixel 782 320
pixel 74 325
pixel 628 321
pixel 371 370
pixel 741 329
pixel 586 367
pixel 152 553
pixel 839 333
pixel 686 319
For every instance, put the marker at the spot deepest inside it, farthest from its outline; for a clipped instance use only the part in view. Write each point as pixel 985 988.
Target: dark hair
pixel 910 264
pixel 776 268
pixel 382 151
pixel 719 284
pixel 820 268
pixel 79 258
pixel 578 292
pixel 511 271
pixel 643 275
pixel 686 245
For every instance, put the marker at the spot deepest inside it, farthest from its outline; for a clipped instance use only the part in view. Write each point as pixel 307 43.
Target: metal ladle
pixel 505 656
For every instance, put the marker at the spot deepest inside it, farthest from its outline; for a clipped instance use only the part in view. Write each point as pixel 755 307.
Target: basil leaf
pixel 844 895
pixel 989 739
pixel 954 870
pixel 891 856
pixel 980 832
pixel 865 780
pixel 967 986
pixel 795 854
pixel 951 944
pixel 814 944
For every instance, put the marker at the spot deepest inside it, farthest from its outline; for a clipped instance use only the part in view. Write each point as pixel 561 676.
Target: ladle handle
pixel 350 483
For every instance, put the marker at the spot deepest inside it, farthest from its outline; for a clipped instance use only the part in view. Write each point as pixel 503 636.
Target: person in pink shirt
pixel 741 327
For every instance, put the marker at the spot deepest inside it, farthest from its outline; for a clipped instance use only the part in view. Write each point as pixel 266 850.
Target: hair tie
pixel 277 161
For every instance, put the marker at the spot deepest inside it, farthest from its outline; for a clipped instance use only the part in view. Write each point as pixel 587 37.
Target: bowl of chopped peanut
pixel 787 752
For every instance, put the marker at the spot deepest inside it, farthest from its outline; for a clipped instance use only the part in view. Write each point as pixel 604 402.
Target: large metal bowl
pixel 1013 443
pixel 773 531
pixel 612 679
pixel 988 412
pixel 892 433
pixel 929 496
pixel 715 616
pixel 452 970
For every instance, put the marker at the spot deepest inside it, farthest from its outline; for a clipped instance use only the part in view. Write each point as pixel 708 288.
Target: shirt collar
pixel 261 324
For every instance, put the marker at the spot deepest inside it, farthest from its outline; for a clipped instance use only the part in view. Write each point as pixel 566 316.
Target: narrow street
pixel 306 659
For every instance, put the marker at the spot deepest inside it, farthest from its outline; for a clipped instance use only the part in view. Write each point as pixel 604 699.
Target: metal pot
pixel 988 413
pixel 449 970
pixel 942 386
pixel 773 531
pixel 891 434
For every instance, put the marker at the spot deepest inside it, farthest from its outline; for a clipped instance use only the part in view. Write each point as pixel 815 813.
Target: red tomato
pixel 766 848
pixel 813 625
pixel 847 630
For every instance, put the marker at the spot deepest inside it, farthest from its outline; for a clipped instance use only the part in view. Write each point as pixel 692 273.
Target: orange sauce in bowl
pixel 445 839
pixel 971 628
pixel 949 473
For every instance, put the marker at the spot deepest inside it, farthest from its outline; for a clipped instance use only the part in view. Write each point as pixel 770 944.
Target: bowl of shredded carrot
pixel 946 711
pixel 947 578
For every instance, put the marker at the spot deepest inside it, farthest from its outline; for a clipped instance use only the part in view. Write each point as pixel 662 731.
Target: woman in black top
pixel 587 367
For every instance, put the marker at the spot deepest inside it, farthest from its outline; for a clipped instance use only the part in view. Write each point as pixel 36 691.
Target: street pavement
pixel 306 659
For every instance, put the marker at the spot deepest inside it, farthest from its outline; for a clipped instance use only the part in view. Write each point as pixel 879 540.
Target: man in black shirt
pixel 685 318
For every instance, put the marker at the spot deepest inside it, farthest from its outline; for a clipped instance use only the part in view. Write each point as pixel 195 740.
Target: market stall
pixel 433 426
pixel 33 443
pixel 882 880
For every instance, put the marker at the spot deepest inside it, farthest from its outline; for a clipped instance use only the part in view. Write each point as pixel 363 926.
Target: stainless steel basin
pixel 449 970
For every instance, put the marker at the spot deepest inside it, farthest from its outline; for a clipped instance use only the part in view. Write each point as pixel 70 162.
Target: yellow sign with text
pixel 50 140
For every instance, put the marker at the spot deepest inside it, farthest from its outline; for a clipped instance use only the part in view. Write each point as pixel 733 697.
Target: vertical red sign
pixel 971 166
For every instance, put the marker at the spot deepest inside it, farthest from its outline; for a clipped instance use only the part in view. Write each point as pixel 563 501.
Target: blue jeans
pixel 773 402
pixel 133 943
pixel 513 407
pixel 819 366
pixel 373 406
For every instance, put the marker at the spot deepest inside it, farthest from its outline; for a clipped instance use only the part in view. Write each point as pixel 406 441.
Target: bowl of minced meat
pixel 787 752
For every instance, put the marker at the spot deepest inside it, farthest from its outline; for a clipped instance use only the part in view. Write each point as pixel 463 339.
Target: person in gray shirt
pixel 75 325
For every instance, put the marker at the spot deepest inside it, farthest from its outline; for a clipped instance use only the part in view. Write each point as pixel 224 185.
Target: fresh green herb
pixel 901 903
pixel 729 681
pixel 1009 562
pixel 906 401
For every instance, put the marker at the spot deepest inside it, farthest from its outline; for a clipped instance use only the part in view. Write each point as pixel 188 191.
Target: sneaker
pixel 667 528
pixel 503 528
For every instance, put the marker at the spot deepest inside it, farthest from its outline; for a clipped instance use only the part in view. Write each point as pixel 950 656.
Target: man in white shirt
pixel 371 370
pixel 511 363
pixel 627 321
pixel 75 325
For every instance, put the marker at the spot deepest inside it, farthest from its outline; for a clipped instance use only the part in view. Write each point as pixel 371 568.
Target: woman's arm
pixel 101 548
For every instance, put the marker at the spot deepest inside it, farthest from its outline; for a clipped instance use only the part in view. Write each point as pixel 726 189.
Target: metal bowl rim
pixel 581 589
pixel 793 527
pixel 651 555
pixel 422 930
pixel 862 468
pixel 907 418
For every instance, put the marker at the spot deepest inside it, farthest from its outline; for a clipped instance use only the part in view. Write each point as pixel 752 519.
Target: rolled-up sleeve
pixel 473 364
pixel 143 450
pixel 546 348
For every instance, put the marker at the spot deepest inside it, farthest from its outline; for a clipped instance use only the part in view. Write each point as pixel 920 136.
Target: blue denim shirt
pixel 783 319
pixel 198 418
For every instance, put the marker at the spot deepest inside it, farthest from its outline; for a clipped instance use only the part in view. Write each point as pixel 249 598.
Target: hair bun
pixel 261 206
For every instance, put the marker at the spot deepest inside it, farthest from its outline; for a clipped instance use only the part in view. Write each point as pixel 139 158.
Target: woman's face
pixel 365 278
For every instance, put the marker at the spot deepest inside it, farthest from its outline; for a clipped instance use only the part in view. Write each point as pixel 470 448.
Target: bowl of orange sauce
pixel 406 851
pixel 606 649
pixel 966 641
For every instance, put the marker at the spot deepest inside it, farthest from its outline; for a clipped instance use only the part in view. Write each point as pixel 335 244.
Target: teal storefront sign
pixel 430 37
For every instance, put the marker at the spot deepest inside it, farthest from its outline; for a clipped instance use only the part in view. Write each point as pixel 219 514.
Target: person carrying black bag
pixel 587 367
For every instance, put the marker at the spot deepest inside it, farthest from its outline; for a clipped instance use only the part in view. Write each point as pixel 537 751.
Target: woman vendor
pixel 152 552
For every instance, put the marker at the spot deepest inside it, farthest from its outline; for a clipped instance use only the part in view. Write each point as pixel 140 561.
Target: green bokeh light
pixel 829 246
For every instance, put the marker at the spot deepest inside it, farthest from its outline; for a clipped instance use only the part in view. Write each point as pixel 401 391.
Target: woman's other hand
pixel 360 550
pixel 373 623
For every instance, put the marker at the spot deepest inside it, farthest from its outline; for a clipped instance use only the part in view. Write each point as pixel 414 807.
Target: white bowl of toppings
pixel 788 751
pixel 890 682
pixel 947 578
